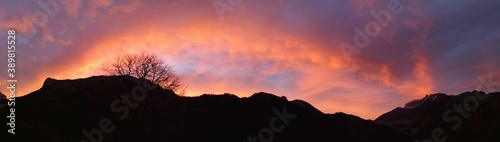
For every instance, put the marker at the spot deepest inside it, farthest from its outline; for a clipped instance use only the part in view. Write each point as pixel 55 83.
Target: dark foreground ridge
pixel 123 108
pixel 2 96
pixel 103 108
pixel 468 117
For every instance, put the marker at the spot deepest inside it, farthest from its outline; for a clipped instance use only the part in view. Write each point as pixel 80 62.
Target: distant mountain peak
pixel 427 99
pixel 420 117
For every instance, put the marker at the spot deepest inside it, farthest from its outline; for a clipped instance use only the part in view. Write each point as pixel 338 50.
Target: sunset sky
pixel 285 47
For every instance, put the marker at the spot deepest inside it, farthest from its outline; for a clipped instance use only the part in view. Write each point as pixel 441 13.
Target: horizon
pixel 319 51
pixel 487 82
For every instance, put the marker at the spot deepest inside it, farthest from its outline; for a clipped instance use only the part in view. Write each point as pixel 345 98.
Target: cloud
pixel 73 8
pixel 284 47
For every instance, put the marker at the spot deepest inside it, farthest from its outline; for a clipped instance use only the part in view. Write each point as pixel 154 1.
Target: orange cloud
pixel 238 59
pixel 280 47
pixel 73 8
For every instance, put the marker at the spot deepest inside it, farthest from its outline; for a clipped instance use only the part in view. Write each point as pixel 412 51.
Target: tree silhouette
pixel 146 66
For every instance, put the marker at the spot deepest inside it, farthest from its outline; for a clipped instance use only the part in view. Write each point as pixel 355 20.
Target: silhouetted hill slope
pixel 420 117
pixel 61 109
pixel 304 104
pixel 2 96
pixel 3 100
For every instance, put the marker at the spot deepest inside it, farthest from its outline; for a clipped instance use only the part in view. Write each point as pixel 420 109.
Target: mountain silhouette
pixel 470 116
pixel 2 96
pixel 3 99
pixel 124 108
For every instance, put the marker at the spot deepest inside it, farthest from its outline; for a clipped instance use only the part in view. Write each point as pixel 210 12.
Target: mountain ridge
pixel 2 96
pixel 464 117
pixel 66 109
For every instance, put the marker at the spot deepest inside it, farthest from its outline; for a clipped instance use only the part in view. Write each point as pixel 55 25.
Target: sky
pixel 363 57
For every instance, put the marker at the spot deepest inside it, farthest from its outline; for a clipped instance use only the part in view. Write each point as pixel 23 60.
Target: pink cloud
pixel 282 47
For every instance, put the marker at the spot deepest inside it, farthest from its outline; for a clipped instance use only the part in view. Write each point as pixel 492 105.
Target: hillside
pixel 123 108
pixel 470 116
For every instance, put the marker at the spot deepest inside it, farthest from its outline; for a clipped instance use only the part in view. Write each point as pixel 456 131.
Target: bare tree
pixel 146 66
